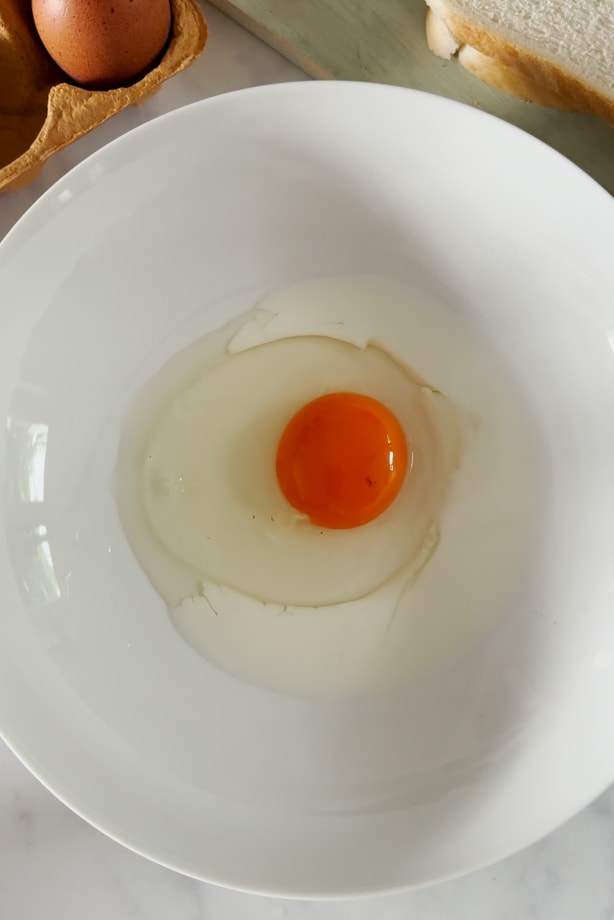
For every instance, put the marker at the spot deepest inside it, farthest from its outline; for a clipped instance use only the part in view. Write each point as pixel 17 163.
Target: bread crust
pixel 519 71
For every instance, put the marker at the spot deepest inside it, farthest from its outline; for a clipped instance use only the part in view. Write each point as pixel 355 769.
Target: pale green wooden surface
pixel 383 41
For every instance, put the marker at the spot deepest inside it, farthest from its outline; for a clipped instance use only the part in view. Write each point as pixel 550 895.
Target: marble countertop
pixel 52 864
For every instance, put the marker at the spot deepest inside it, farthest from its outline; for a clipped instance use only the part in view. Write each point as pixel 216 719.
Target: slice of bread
pixel 554 52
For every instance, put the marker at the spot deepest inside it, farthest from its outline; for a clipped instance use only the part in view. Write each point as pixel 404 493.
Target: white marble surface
pixel 53 865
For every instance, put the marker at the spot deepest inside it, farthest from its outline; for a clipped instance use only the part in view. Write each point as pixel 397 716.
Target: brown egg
pixel 103 43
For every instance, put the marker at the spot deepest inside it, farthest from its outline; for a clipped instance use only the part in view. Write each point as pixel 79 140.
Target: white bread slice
pixel 554 52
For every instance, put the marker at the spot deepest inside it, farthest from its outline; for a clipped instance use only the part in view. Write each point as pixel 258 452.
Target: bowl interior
pixel 169 233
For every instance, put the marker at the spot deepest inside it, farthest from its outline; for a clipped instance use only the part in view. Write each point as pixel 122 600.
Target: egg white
pixel 262 592
pixel 211 496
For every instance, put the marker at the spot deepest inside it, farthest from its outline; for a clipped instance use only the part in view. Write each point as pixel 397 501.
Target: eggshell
pixel 103 43
pixel 41 113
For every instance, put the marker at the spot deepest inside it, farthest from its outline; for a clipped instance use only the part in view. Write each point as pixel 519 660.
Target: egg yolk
pixel 341 460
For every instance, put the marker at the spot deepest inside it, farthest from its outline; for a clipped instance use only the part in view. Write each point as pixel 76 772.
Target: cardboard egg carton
pixel 40 112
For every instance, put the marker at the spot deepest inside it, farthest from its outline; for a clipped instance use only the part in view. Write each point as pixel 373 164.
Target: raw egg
pixel 103 43
pixel 318 515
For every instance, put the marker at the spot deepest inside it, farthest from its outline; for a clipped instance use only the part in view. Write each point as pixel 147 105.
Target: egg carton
pixel 40 112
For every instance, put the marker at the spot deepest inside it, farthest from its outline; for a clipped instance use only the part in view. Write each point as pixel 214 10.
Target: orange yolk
pixel 341 460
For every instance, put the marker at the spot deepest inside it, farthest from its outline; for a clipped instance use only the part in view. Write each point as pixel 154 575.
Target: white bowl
pixel 169 232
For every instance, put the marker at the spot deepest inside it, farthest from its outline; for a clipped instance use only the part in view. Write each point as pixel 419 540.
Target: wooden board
pixel 383 41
